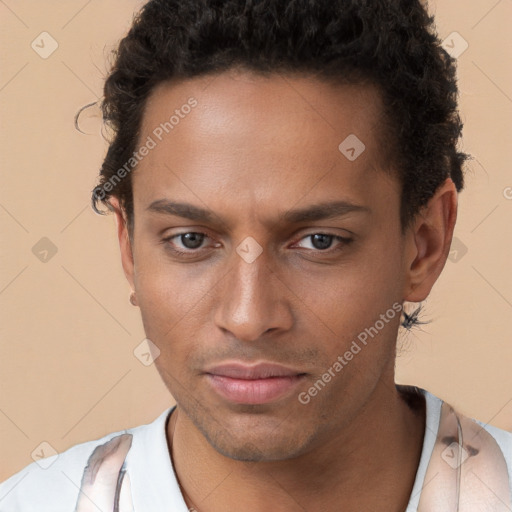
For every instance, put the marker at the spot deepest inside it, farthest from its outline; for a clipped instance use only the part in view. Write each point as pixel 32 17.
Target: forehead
pixel 267 136
pixel 292 107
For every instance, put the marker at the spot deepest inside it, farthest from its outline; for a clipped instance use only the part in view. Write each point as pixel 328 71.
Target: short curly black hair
pixel 391 44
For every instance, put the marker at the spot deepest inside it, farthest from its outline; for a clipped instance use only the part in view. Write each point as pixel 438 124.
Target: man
pixel 284 175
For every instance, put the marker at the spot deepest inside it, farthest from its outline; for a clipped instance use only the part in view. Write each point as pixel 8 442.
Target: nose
pixel 252 300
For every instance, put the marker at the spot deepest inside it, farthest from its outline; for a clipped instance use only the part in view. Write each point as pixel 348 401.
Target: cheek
pixel 364 284
pixel 379 274
pixel 356 308
pixel 171 294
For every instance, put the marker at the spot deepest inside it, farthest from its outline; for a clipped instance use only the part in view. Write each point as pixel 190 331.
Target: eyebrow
pixel 315 212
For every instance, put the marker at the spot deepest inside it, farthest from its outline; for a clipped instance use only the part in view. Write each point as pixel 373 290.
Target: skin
pixel 254 148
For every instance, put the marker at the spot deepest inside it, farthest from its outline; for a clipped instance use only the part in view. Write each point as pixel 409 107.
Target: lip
pixel 238 370
pixel 253 384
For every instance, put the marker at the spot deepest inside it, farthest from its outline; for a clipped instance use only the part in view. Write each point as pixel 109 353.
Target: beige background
pixel 67 368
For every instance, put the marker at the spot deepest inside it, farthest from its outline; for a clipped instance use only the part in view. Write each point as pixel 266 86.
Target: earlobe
pixel 125 245
pixel 430 239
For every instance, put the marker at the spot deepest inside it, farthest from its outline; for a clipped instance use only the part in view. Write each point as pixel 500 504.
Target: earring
pixel 133 299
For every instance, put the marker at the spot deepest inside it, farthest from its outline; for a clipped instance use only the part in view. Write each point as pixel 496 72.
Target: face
pixel 257 240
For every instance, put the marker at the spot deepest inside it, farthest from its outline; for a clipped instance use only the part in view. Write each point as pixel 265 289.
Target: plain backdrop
pixel 68 373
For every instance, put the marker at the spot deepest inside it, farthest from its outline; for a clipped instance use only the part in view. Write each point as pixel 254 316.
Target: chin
pixel 249 447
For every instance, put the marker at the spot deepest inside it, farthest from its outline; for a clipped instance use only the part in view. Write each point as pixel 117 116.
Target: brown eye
pixel 323 241
pixel 191 240
pixel 189 243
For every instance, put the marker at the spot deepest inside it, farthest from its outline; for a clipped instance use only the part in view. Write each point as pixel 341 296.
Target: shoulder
pixel 53 483
pixel 460 454
pixel 503 438
pixel 471 456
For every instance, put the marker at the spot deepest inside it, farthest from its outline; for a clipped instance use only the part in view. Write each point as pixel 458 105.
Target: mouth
pixel 257 384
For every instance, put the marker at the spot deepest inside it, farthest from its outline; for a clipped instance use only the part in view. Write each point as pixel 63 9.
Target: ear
pixel 124 241
pixel 428 242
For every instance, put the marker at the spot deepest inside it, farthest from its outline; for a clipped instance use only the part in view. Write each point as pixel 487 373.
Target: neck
pixel 371 464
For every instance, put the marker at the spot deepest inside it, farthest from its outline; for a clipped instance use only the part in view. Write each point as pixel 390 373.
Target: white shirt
pixel 152 481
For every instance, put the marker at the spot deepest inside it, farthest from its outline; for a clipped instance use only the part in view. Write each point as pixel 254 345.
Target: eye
pixel 323 241
pixel 186 243
pixel 191 243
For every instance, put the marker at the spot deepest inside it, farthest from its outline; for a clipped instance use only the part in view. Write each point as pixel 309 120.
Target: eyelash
pixel 344 241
